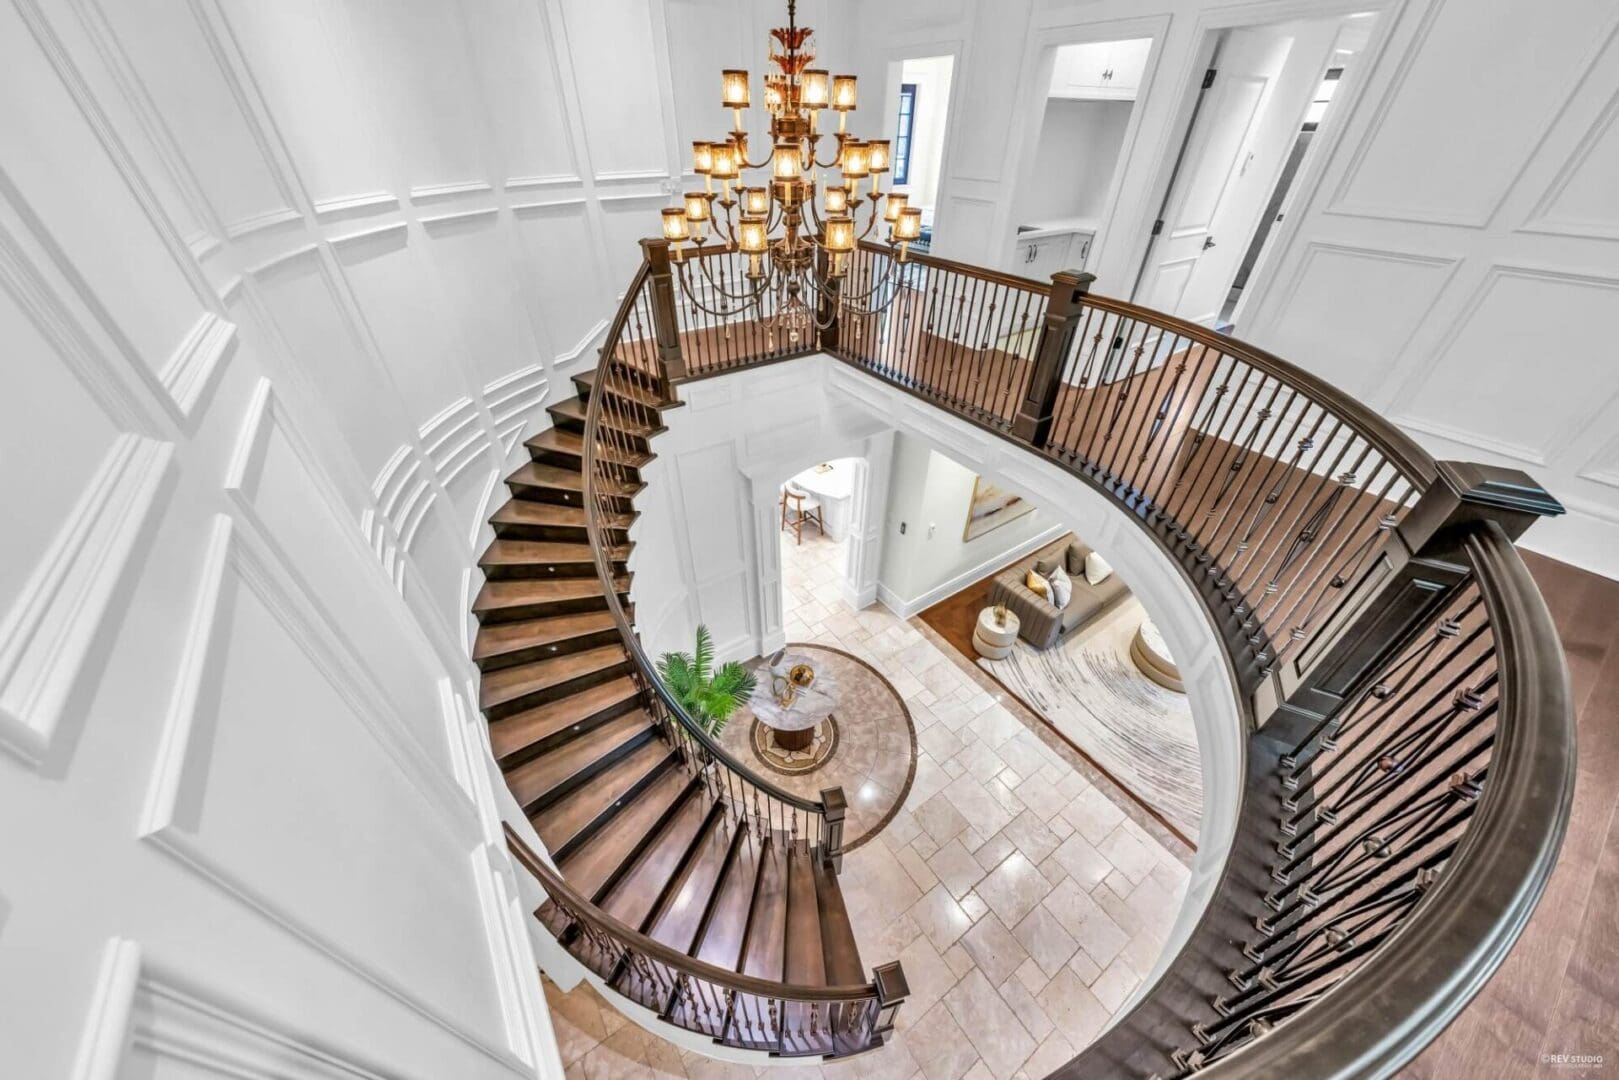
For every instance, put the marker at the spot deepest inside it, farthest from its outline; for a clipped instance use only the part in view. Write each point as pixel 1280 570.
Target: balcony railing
pixel 1410 768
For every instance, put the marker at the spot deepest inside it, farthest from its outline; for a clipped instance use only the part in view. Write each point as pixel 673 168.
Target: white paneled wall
pixel 283 286
pixel 1458 266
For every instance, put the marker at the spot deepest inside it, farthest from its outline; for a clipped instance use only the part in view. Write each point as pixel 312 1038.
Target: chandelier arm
pixel 741 298
pixel 744 302
pixel 836 156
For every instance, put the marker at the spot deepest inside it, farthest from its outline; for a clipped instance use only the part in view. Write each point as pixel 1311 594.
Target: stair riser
pixel 547 607
pixel 585 775
pixel 542 571
pixel 618 504
pixel 552 693
pixel 549 650
pixel 583 726
pixel 596 824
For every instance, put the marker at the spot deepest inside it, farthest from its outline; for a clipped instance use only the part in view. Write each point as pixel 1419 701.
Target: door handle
pixel 1208 242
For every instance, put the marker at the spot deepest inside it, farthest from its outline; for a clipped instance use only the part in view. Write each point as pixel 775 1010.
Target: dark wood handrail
pixel 606 574
pixel 680 962
pixel 1405 994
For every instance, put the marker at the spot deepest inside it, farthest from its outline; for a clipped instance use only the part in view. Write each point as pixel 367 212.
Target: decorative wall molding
pixel 47 633
pixel 1542 217
pixel 1544 455
pixel 139 1004
pixel 201 355
pixel 233 561
pixel 348 672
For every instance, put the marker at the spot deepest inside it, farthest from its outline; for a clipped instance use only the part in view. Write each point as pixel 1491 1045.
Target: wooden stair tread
pixel 562 821
pixel 533 780
pixel 536 474
pixel 682 915
pixel 637 893
pixel 767 922
pixel 722 939
pixel 510 735
pixel 500 639
pixel 543 552
pixel 838 946
pixel 555 515
pixel 507 684
pixel 589 868
pixel 572 444
pixel 803 964
pixel 518 592
pixel 626 387
pixel 573 409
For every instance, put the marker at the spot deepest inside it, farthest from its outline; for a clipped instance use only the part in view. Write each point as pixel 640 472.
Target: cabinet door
pixel 1049 255
pixel 1079 70
pixel 1079 250
pixel 1126 60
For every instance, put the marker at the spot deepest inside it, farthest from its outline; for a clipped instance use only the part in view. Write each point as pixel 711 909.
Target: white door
pixel 1231 110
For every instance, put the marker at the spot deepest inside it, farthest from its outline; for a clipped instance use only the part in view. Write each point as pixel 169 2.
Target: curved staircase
pixel 1409 767
pixel 632 832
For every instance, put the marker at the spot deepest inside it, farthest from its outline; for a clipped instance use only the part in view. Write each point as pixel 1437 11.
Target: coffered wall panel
pixel 1458 268
pixel 526 91
pixel 177 69
pixel 1470 107
pixel 617 75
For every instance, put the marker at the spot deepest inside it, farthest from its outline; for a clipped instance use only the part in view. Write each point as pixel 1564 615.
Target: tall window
pixel 902 138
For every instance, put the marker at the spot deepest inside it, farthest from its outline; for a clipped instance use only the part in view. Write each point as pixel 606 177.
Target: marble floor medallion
pixel 867 747
pixel 823 744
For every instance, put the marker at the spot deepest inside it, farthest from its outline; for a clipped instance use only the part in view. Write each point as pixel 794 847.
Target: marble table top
pixel 812 705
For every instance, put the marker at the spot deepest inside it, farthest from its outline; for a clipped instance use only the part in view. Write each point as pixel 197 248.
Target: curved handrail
pixel 558 889
pixel 1406 992
pixel 604 570
pixel 1235 503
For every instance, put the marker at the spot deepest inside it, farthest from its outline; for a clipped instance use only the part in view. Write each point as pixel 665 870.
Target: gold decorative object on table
pixel 786 687
pixel 1000 615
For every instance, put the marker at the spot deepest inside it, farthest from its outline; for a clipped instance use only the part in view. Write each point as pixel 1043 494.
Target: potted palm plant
pixel 709 696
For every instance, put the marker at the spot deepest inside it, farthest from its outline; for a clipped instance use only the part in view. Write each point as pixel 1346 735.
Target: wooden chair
pixel 806 510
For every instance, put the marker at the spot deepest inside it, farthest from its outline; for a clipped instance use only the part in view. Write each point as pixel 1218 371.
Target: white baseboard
pixel 906 608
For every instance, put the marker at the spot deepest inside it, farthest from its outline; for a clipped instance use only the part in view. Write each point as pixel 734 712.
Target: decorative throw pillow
pixel 1096 569
pixel 1062 588
pixel 1038 585
pixel 1044 567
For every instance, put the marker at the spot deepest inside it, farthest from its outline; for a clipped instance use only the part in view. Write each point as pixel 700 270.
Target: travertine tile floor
pixel 1024 897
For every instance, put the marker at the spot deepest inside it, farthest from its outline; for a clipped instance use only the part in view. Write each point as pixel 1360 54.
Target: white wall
pixel 1073 166
pixel 1458 265
pixel 929 493
pixel 282 287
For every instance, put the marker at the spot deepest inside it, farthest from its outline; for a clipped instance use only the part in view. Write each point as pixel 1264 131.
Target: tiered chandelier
pixel 798 252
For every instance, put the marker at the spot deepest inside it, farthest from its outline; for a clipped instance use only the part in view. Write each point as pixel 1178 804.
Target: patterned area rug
pixel 1089 689
pixel 874 756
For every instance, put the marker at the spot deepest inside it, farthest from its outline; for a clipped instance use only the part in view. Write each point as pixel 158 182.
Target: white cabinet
pixel 1103 70
pixel 1041 256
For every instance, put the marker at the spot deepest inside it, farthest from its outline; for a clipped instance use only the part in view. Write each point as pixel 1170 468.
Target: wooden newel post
pixel 1408 579
pixel 665 321
pixel 892 990
pixel 1063 307
pixel 832 843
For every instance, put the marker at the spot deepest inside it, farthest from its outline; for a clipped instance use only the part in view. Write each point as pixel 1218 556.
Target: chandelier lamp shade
pixel 797 207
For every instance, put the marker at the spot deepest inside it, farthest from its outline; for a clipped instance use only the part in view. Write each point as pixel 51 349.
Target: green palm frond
pixel 703 660
pixel 709 697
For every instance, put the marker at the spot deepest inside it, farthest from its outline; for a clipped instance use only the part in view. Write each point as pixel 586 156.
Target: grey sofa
pixel 1041 624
